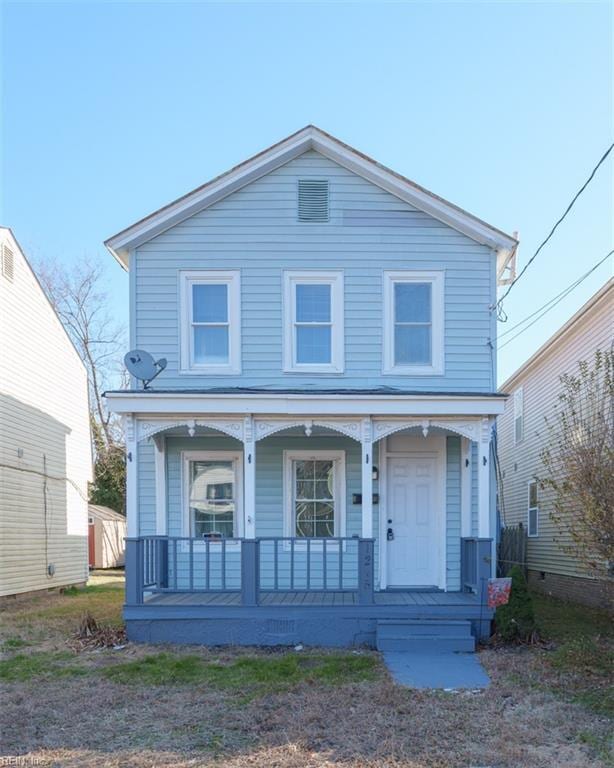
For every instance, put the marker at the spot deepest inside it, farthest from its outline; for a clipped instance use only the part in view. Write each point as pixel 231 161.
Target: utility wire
pixel 551 305
pixel 46 477
pixel 555 227
pixel 555 299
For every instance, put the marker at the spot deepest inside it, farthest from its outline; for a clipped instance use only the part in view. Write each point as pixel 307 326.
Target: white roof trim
pixel 7 233
pixel 272 403
pixel 279 154
pixel 569 325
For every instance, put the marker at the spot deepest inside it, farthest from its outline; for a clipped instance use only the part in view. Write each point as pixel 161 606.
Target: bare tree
pixel 579 463
pixel 81 301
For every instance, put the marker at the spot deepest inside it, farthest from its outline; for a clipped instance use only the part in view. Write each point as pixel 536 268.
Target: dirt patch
pixel 373 723
pixel 91 708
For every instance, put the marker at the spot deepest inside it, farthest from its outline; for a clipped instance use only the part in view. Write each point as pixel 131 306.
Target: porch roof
pixel 304 391
pixel 380 401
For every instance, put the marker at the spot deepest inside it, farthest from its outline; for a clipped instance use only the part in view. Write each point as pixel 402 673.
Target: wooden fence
pixel 512 549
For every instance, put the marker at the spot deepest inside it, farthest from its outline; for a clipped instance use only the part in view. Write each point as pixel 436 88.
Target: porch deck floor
pixel 299 598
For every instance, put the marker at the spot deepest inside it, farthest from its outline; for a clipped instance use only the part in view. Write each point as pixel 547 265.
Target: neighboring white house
pixel 522 433
pixel 45 450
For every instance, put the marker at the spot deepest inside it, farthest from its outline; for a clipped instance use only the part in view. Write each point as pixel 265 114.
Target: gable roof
pixel 104 513
pixel 279 154
pixel 586 311
pixel 6 233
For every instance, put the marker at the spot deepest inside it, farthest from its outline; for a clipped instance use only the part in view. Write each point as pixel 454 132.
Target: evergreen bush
pixel 515 622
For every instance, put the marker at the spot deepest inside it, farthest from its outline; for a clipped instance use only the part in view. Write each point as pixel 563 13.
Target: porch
pixel 311 518
pixel 283 591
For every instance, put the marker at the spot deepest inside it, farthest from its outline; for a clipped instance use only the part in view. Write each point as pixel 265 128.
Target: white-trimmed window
pixel 413 323
pixel 518 416
pixel 313 322
pixel 314 494
pixel 532 509
pixel 210 322
pixel 212 494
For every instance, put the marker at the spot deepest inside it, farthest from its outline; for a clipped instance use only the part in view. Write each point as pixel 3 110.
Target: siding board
pixel 256 230
pixel 44 425
pixel 519 463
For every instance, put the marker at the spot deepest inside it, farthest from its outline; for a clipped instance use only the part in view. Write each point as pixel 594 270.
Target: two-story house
pixel 45 446
pixel 313 465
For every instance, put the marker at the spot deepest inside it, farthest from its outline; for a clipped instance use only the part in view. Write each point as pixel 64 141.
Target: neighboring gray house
pixel 522 433
pixel 314 463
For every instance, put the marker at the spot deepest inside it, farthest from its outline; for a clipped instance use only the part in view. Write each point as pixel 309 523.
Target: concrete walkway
pixel 447 670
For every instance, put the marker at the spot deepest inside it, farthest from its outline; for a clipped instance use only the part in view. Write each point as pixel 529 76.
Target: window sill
pixel 215 546
pixel 317 369
pixel 413 370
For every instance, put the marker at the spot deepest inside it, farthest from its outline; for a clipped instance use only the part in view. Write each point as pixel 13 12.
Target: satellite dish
pixel 143 367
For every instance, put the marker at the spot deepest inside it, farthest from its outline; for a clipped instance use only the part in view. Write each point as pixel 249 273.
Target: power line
pixel 550 305
pixel 560 295
pixel 555 227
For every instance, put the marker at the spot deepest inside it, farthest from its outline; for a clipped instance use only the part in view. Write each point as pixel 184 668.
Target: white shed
pixel 106 534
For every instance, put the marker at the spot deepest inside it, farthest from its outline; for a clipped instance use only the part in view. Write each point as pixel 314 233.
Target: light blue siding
pixel 146 484
pixel 269 507
pixel 453 511
pixel 255 230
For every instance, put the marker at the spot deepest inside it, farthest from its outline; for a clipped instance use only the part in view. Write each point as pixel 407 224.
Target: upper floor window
pixel 413 323
pixel 313 322
pixel 210 322
pixel 533 510
pixel 518 416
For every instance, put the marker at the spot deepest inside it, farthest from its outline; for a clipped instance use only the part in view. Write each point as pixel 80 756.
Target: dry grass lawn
pixel 142 706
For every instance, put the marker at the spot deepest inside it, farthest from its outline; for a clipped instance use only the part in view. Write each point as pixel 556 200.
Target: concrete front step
pixel 424 643
pixel 430 627
pixel 433 635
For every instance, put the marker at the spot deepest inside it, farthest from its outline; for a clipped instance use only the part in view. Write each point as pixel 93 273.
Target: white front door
pixel 412 522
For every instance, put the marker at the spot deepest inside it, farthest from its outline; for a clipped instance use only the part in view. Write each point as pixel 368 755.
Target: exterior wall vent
pixel 8 263
pixel 312 200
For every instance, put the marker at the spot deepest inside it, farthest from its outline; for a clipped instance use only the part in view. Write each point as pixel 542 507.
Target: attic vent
pixel 312 200
pixel 8 263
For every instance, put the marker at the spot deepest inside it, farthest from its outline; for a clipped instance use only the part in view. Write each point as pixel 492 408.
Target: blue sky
pixel 112 110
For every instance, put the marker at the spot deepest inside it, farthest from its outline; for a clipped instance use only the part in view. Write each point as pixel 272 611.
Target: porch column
pixel 249 479
pixel 484 531
pixel 132 504
pixel 465 487
pixel 367 478
pixel 160 474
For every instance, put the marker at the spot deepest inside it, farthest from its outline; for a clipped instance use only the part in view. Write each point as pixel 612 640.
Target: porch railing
pixel 476 564
pixel 162 564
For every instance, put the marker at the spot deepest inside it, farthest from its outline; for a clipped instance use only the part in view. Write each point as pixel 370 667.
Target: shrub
pixel 515 621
